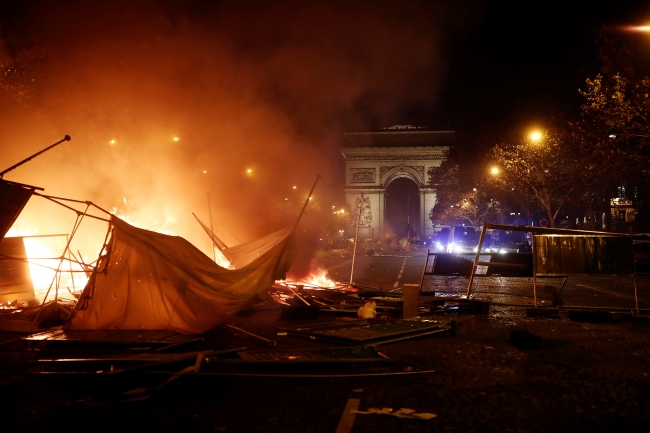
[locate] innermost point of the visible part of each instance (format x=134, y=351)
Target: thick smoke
x=260, y=86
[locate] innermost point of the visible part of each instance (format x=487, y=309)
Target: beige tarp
x=152, y=281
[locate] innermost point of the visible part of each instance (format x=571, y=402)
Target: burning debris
x=142, y=280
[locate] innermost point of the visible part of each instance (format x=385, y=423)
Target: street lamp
x=642, y=29
x=492, y=204
x=495, y=172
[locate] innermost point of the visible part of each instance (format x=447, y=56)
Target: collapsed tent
x=150, y=281
x=13, y=198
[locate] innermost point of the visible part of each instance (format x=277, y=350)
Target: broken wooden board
x=68, y=339
x=369, y=331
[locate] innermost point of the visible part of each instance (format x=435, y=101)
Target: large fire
x=52, y=277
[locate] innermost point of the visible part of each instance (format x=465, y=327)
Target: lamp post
x=408, y=221
x=494, y=171
x=492, y=205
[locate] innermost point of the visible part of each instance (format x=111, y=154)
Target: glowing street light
x=176, y=138
x=249, y=171
x=644, y=29
x=294, y=187
x=535, y=136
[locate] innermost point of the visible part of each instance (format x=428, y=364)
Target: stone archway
x=402, y=216
x=375, y=159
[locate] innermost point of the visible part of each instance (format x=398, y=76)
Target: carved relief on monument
x=395, y=156
x=366, y=175
x=419, y=169
x=363, y=203
x=386, y=168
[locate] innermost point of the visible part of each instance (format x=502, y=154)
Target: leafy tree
x=445, y=180
x=507, y=193
x=472, y=207
x=459, y=199
x=612, y=136
x=538, y=168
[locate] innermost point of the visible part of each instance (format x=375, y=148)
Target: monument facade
x=375, y=159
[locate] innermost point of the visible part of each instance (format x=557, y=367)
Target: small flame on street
x=316, y=279
x=320, y=279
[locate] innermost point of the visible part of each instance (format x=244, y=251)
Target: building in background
x=386, y=172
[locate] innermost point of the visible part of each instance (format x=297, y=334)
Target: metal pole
x=354, y=251
x=478, y=252
x=493, y=219
x=424, y=271
x=532, y=248
x=214, y=253
x=408, y=219
x=318, y=176
x=255, y=336
x=66, y=138
x=636, y=299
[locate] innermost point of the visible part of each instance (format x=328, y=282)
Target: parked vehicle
x=525, y=247
x=442, y=240
x=507, y=241
x=487, y=244
x=463, y=240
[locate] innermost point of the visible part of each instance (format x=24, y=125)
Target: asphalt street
x=587, y=375
x=383, y=270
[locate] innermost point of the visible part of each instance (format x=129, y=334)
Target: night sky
x=510, y=65
x=268, y=86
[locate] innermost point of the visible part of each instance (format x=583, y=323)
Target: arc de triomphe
x=374, y=159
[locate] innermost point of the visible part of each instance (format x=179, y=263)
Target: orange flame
x=43, y=255
x=317, y=278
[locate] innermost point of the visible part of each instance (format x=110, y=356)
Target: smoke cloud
x=262, y=86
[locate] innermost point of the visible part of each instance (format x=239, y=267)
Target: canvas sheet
x=151, y=281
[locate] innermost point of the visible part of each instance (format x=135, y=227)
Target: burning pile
x=316, y=279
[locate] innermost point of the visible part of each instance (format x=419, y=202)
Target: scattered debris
x=368, y=311
x=370, y=331
x=525, y=339
x=401, y=413
x=299, y=312
x=255, y=336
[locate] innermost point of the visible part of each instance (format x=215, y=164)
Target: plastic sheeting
x=151, y=281
x=13, y=198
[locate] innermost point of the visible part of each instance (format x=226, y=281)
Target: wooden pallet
x=108, y=338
